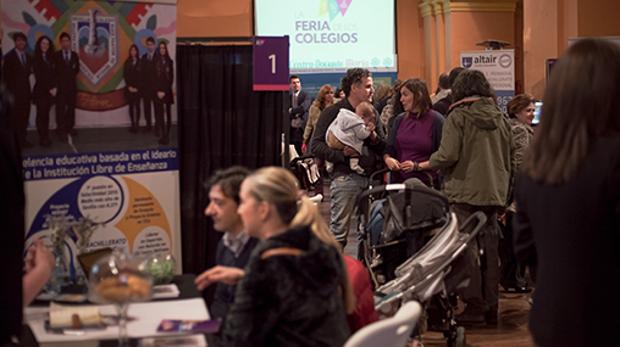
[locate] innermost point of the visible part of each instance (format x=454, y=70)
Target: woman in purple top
x=415, y=135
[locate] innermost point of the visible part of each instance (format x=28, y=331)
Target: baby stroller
x=394, y=222
x=307, y=172
x=418, y=245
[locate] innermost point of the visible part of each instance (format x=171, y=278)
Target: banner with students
x=88, y=156
x=101, y=34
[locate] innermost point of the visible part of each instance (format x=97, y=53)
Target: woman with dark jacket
x=521, y=111
x=294, y=290
x=131, y=74
x=44, y=91
x=568, y=199
x=476, y=160
x=164, y=75
x=323, y=99
x=415, y=134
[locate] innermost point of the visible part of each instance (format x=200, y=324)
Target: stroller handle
x=374, y=175
x=404, y=187
x=300, y=158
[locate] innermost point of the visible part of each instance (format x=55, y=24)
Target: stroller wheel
x=457, y=337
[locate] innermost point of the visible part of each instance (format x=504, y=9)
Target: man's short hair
x=454, y=73
x=293, y=77
x=63, y=35
x=150, y=39
x=444, y=81
x=354, y=75
x=229, y=180
x=19, y=35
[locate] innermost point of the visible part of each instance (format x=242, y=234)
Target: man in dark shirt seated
x=235, y=246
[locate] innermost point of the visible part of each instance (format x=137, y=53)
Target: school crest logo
x=467, y=62
x=96, y=44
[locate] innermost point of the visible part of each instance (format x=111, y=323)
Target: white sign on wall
x=499, y=69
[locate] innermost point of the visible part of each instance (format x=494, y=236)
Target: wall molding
x=495, y=6
x=426, y=8
x=438, y=6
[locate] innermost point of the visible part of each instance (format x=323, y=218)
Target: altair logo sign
x=488, y=59
x=504, y=60
x=498, y=68
x=467, y=62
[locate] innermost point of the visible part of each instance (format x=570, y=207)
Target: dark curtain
x=222, y=122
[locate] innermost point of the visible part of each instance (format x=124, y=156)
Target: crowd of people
x=460, y=142
x=148, y=79
x=282, y=278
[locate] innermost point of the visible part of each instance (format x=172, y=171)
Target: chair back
x=390, y=332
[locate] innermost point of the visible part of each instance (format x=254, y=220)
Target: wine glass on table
x=120, y=280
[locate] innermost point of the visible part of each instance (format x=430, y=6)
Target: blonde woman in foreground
x=294, y=291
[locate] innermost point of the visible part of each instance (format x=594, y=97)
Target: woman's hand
x=161, y=95
x=39, y=258
x=408, y=165
x=225, y=274
x=39, y=264
x=392, y=164
x=53, y=91
x=43, y=258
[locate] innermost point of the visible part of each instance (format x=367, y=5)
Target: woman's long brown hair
x=581, y=104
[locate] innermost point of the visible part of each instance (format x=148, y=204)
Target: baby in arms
x=351, y=129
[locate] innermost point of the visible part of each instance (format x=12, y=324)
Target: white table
x=146, y=318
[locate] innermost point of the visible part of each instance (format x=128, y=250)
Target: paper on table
x=166, y=291
x=176, y=341
x=61, y=316
x=146, y=318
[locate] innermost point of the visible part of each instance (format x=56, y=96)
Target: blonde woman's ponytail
x=308, y=214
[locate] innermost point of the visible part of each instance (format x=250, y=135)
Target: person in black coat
x=298, y=112
x=22, y=279
x=16, y=71
x=1, y=54
x=294, y=290
x=131, y=74
x=67, y=68
x=443, y=105
x=45, y=87
x=12, y=237
x=164, y=78
x=568, y=201
x=148, y=78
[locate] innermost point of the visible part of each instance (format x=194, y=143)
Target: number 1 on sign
x=272, y=57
